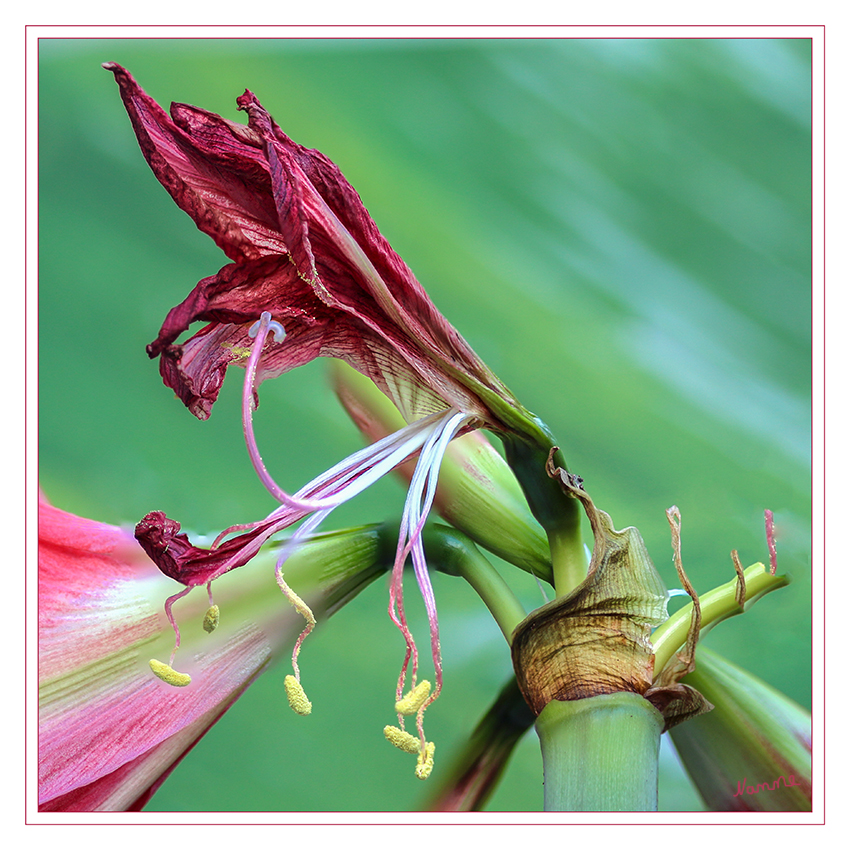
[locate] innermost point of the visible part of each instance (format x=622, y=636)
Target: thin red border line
x=824, y=318
x=822, y=27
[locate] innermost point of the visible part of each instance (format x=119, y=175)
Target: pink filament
x=168, y=604
x=261, y=329
x=771, y=539
x=417, y=506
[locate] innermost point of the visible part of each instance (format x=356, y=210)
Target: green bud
x=477, y=492
x=753, y=752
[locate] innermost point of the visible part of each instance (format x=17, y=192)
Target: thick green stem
x=600, y=754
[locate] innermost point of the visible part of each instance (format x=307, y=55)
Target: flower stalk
x=600, y=754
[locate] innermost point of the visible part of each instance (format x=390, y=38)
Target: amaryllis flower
x=109, y=731
x=311, y=276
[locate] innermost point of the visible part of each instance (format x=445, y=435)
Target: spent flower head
x=311, y=276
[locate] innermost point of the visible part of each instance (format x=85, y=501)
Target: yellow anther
x=169, y=674
x=403, y=740
x=413, y=700
x=425, y=762
x=298, y=701
x=211, y=619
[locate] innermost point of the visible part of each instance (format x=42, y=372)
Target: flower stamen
x=425, y=762
x=420, y=497
x=168, y=674
x=414, y=699
x=298, y=701
x=403, y=740
x=304, y=610
x=211, y=619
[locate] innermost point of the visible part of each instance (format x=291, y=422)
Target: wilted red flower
x=305, y=249
x=310, y=268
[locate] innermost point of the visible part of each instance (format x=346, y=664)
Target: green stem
x=558, y=512
x=569, y=560
x=453, y=553
x=716, y=605
x=600, y=754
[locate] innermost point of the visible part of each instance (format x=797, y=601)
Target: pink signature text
x=743, y=788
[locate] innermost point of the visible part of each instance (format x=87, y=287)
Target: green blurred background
x=620, y=228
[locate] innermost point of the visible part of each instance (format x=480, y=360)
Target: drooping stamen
x=303, y=609
x=741, y=586
x=211, y=618
x=420, y=497
x=334, y=487
x=414, y=699
x=425, y=762
x=403, y=740
x=674, y=517
x=168, y=613
x=166, y=672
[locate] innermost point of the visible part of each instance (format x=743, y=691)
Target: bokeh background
x=621, y=229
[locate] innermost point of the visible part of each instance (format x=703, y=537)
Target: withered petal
x=171, y=550
x=261, y=197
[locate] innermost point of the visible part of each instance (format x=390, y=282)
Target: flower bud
x=753, y=752
x=477, y=492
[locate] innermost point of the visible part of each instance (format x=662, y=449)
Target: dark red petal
x=309, y=188
x=328, y=276
x=211, y=170
x=177, y=558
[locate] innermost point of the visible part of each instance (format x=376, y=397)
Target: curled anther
x=414, y=699
x=275, y=327
x=296, y=697
x=403, y=740
x=168, y=674
x=211, y=618
x=741, y=587
x=674, y=517
x=425, y=762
